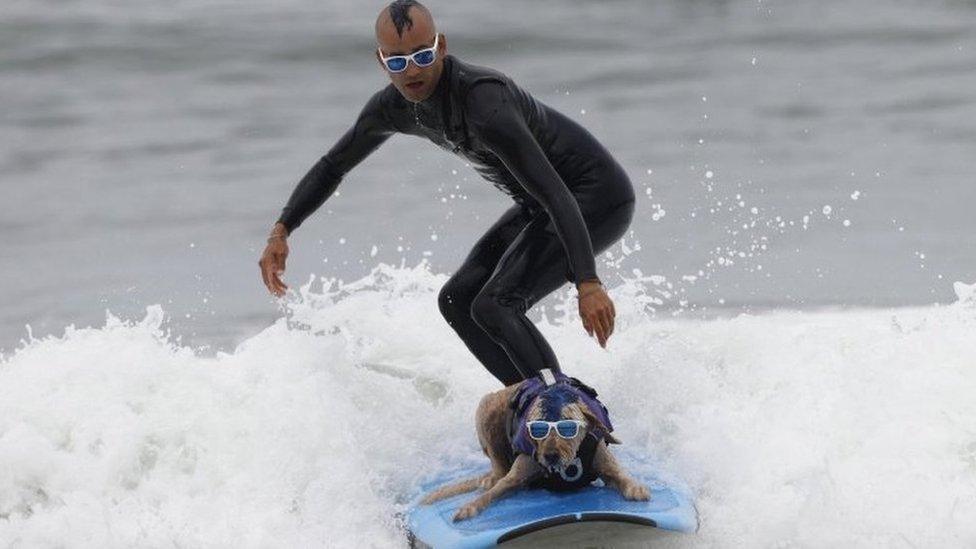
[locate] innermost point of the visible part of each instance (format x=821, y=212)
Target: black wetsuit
x=572, y=201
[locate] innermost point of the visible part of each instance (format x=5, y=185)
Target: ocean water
x=798, y=429
x=796, y=334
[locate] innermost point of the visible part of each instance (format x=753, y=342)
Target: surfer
x=572, y=198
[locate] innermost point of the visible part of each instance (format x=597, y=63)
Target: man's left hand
x=597, y=311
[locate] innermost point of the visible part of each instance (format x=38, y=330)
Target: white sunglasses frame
x=552, y=425
x=410, y=58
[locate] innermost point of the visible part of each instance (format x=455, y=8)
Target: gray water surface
x=148, y=147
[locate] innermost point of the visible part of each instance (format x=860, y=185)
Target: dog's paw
x=636, y=492
x=466, y=511
x=488, y=481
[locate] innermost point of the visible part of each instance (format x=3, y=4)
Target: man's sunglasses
x=565, y=428
x=422, y=58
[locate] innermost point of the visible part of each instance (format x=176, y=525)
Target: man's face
x=415, y=83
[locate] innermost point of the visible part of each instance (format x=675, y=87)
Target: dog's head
x=557, y=402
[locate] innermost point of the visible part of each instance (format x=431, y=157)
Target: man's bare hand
x=272, y=261
x=597, y=311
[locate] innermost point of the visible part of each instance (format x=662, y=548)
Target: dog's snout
x=552, y=458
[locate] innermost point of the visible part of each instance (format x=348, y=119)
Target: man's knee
x=491, y=310
x=484, y=311
x=453, y=301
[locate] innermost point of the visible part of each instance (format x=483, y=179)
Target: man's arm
x=365, y=136
x=492, y=112
x=371, y=129
x=495, y=116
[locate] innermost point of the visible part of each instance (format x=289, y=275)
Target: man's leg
x=533, y=266
x=460, y=290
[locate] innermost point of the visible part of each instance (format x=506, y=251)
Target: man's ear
x=442, y=45
x=594, y=423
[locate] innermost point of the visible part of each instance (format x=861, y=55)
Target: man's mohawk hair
x=400, y=13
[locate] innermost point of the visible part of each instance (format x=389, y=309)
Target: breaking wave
x=846, y=427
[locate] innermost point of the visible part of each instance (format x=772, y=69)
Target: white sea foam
x=848, y=428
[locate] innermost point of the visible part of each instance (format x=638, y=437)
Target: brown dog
x=552, y=462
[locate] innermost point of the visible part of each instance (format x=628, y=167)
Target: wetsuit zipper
x=416, y=118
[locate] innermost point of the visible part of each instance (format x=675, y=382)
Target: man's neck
x=434, y=99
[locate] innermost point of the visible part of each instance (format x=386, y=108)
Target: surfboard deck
x=531, y=510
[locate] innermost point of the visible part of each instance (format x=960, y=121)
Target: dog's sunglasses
x=422, y=58
x=565, y=428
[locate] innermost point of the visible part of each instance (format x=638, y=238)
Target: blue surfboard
x=530, y=510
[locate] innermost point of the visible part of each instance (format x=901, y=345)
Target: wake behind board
x=531, y=510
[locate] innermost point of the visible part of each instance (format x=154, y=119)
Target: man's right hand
x=272, y=261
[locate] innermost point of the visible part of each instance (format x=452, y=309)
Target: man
x=572, y=199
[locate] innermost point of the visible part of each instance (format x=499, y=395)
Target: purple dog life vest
x=565, y=390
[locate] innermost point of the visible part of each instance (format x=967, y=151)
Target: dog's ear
x=594, y=422
x=583, y=387
x=516, y=401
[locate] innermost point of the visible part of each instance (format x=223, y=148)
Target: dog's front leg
x=521, y=471
x=614, y=475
